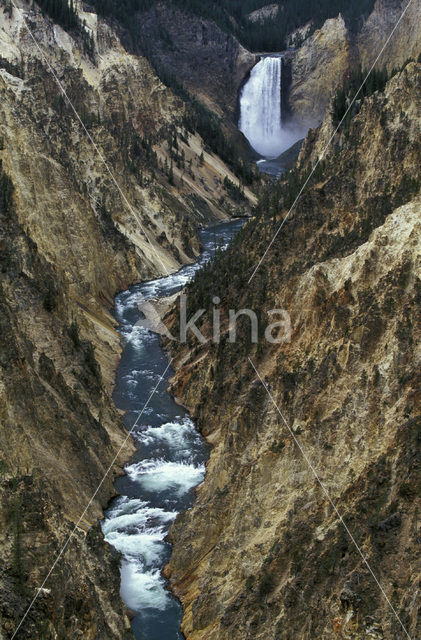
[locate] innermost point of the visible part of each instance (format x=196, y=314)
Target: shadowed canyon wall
x=262, y=553
x=68, y=242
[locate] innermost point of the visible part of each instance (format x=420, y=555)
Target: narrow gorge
x=171, y=455
x=175, y=178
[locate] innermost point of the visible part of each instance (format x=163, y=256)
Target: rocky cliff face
x=210, y=63
x=69, y=240
x=269, y=11
x=404, y=44
x=318, y=67
x=263, y=554
x=59, y=432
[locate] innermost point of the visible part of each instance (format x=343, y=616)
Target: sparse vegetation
x=50, y=297
x=116, y=559
x=4, y=468
x=14, y=69
x=266, y=583
x=376, y=81
x=235, y=192
x=171, y=174
x=14, y=517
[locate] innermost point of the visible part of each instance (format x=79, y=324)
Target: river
x=169, y=462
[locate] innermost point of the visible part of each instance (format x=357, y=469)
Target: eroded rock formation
x=209, y=62
x=262, y=554
x=320, y=64
x=74, y=230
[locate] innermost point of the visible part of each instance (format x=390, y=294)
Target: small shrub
x=267, y=583
x=235, y=192
x=17, y=550
x=74, y=333
x=250, y=583
x=50, y=298
x=277, y=447
x=4, y=469
x=6, y=195
x=116, y=560
x=91, y=362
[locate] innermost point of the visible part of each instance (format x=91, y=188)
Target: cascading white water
x=260, y=108
x=170, y=460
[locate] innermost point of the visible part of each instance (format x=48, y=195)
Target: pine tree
x=171, y=175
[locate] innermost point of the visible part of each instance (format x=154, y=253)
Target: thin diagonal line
x=90, y=502
x=325, y=491
x=94, y=144
x=329, y=143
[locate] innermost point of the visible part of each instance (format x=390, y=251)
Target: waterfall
x=260, y=108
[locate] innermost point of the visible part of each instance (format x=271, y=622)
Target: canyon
x=117, y=191
x=263, y=554
x=75, y=230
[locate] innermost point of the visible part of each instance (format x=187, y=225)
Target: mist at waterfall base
x=170, y=458
x=261, y=114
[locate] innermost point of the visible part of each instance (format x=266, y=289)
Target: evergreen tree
x=171, y=175
x=267, y=34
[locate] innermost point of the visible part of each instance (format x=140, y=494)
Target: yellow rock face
x=86, y=209
x=263, y=553
x=320, y=64
x=317, y=68
x=405, y=42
